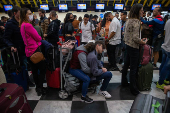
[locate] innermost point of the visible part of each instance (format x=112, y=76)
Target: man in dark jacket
x=12, y=37
x=53, y=29
x=158, y=28
x=97, y=69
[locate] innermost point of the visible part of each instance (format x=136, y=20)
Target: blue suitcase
x=18, y=78
x=14, y=72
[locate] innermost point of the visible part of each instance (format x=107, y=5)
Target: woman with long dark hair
x=68, y=28
x=32, y=41
x=132, y=39
x=105, y=23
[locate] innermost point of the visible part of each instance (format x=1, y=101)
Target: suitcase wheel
x=63, y=94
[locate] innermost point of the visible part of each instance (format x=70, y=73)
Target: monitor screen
x=81, y=6
x=119, y=6
x=63, y=7
x=8, y=7
x=155, y=5
x=45, y=7
x=100, y=6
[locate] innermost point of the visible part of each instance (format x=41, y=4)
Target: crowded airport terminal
x=84, y=56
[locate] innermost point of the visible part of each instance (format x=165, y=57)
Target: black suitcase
x=143, y=104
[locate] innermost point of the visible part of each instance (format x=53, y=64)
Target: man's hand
x=74, y=35
x=13, y=49
x=2, y=27
x=45, y=35
x=107, y=41
x=166, y=89
x=104, y=70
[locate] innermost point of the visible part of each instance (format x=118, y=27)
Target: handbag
x=37, y=56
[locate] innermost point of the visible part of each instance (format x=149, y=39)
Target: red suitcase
x=53, y=78
x=13, y=99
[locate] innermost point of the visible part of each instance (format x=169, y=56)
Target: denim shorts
x=156, y=43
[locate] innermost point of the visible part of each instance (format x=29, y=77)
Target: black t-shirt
x=69, y=29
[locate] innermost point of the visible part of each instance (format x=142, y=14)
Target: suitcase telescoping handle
x=13, y=55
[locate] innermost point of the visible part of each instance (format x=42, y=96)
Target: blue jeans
x=107, y=77
x=164, y=69
x=83, y=77
x=86, y=79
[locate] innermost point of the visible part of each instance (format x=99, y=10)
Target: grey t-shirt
x=166, y=44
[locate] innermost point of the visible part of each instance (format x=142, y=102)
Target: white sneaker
x=105, y=94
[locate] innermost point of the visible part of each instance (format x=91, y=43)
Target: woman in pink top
x=32, y=42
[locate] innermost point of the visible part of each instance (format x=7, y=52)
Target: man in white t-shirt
x=114, y=38
x=87, y=30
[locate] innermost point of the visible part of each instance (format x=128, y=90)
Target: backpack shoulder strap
x=80, y=24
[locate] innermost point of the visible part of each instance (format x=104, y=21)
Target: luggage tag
x=8, y=96
x=156, y=106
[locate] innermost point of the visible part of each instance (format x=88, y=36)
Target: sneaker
x=105, y=94
x=31, y=84
x=160, y=86
x=121, y=61
x=114, y=69
x=155, y=66
x=86, y=99
x=166, y=82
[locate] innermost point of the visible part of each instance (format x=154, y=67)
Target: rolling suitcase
x=53, y=78
x=18, y=78
x=13, y=99
x=14, y=72
x=144, y=79
x=149, y=104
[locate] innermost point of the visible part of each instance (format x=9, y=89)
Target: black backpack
x=11, y=61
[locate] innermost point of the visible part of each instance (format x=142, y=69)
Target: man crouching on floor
x=97, y=69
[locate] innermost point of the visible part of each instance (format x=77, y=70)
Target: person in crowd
x=149, y=17
x=117, y=15
x=105, y=23
x=35, y=17
x=3, y=21
x=75, y=23
x=94, y=20
x=88, y=30
x=79, y=68
x=166, y=89
x=144, y=16
x=91, y=17
x=122, y=45
x=32, y=41
x=114, y=39
x=35, y=24
x=2, y=25
x=164, y=68
x=158, y=30
x=97, y=69
x=12, y=38
x=80, y=19
x=53, y=30
x=10, y=14
x=132, y=40
x=68, y=28
x=43, y=21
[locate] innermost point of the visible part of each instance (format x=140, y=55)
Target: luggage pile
x=149, y=104
x=145, y=71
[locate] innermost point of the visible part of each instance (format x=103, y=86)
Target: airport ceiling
x=34, y=4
